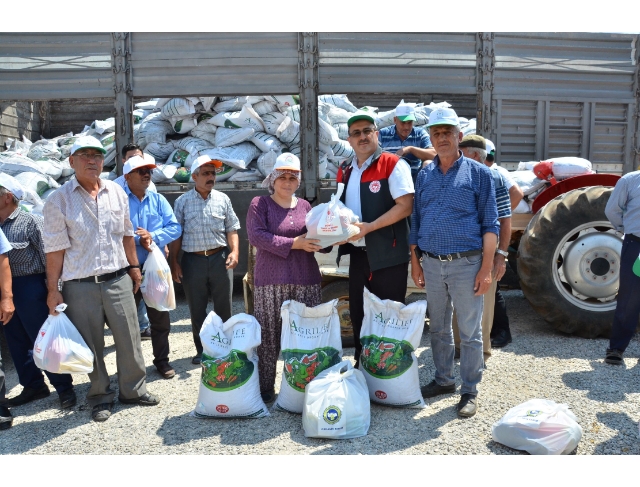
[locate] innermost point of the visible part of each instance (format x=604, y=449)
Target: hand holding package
x=157, y=285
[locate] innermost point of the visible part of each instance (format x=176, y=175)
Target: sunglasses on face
x=357, y=133
x=143, y=171
x=85, y=156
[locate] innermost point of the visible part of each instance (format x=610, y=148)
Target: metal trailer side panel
x=19, y=118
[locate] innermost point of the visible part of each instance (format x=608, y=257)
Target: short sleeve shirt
x=205, y=223
x=5, y=246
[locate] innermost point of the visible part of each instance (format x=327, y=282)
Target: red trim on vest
x=382, y=168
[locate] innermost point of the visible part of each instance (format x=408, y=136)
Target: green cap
x=360, y=115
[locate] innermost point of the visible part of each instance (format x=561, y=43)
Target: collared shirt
x=122, y=182
x=24, y=232
x=623, y=208
x=5, y=246
x=503, y=201
x=89, y=230
x=205, y=223
x=155, y=215
x=452, y=211
x=390, y=141
x=400, y=183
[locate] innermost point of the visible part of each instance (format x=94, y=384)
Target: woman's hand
x=306, y=244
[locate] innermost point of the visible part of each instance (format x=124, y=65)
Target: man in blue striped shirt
x=404, y=140
x=455, y=225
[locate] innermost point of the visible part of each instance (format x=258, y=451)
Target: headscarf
x=275, y=174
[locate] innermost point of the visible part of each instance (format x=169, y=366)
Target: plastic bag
x=157, y=285
x=229, y=386
x=310, y=343
x=336, y=404
x=540, y=427
x=391, y=332
x=331, y=222
x=60, y=348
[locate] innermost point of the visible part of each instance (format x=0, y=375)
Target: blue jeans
x=449, y=284
x=143, y=318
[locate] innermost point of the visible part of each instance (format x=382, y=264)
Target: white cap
x=202, y=160
x=137, y=162
x=490, y=146
x=443, y=116
x=287, y=161
x=10, y=183
x=405, y=113
x=87, y=142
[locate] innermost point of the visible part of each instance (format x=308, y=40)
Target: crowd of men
x=434, y=200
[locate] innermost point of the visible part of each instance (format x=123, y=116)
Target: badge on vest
x=374, y=186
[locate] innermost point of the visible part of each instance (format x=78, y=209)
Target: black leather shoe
x=146, y=400
x=27, y=395
x=101, y=412
x=6, y=420
x=268, y=397
x=502, y=339
x=146, y=335
x=468, y=405
x=433, y=389
x=68, y=398
x=197, y=359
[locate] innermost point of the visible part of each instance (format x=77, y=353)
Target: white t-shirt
x=509, y=182
x=400, y=183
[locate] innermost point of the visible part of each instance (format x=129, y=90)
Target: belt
x=102, y=277
x=208, y=252
x=631, y=236
x=456, y=255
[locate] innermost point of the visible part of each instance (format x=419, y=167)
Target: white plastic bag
x=390, y=334
x=567, y=167
x=310, y=343
x=331, y=222
x=528, y=181
x=336, y=404
x=60, y=348
x=229, y=385
x=540, y=427
x=157, y=285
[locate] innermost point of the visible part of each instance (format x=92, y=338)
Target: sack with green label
x=390, y=334
x=310, y=343
x=336, y=404
x=229, y=385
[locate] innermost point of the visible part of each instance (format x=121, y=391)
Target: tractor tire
x=340, y=289
x=569, y=263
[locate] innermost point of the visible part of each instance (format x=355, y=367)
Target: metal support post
x=635, y=156
x=308, y=83
x=122, y=81
x=485, y=62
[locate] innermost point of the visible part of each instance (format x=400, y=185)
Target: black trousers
x=387, y=283
x=625, y=320
x=160, y=325
x=500, y=318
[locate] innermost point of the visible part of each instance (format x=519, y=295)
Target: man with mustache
x=379, y=189
x=210, y=244
x=454, y=227
x=152, y=217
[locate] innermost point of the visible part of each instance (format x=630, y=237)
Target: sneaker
x=144, y=400
x=6, y=420
x=433, y=389
x=468, y=405
x=165, y=370
x=145, y=335
x=197, y=359
x=68, y=398
x=29, y=394
x=502, y=339
x=101, y=412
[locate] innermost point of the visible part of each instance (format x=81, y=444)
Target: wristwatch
x=134, y=267
x=504, y=253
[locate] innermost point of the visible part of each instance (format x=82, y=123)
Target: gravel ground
x=539, y=363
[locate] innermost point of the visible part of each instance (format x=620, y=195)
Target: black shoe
x=468, y=405
x=502, y=339
x=145, y=335
x=6, y=420
x=197, y=359
x=67, y=398
x=614, y=357
x=146, y=400
x=165, y=370
x=268, y=397
x=433, y=389
x=29, y=394
x=101, y=412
